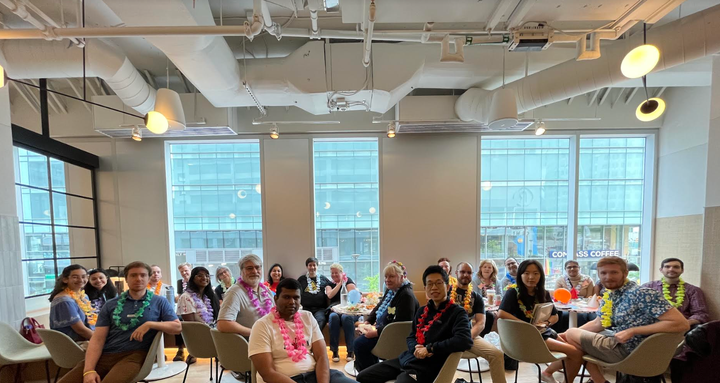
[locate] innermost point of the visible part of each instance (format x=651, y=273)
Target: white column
x=12, y=302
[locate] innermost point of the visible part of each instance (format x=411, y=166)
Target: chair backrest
x=392, y=340
x=11, y=343
x=232, y=351
x=149, y=359
x=652, y=356
x=198, y=340
x=447, y=372
x=523, y=342
x=63, y=350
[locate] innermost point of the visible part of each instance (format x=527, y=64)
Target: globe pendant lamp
x=641, y=60
x=168, y=113
x=503, y=109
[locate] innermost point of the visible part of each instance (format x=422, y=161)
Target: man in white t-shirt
x=157, y=286
x=307, y=360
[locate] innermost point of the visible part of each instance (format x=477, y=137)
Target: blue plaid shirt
x=635, y=306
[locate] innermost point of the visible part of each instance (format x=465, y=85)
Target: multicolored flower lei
x=297, y=350
x=312, y=286
x=607, y=309
x=203, y=307
x=136, y=317
x=466, y=298
x=528, y=313
x=84, y=303
x=422, y=328
x=264, y=292
x=679, y=295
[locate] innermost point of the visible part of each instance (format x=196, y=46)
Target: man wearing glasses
x=572, y=279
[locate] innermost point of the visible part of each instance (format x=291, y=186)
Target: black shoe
x=350, y=357
x=238, y=376
x=335, y=357
x=180, y=356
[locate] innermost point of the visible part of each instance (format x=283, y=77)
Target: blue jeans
x=348, y=325
x=363, y=355
x=335, y=377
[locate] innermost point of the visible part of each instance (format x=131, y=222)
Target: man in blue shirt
x=627, y=315
x=124, y=331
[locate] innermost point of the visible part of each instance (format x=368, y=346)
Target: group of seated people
x=283, y=318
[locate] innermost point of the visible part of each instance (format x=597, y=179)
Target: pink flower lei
x=267, y=301
x=295, y=353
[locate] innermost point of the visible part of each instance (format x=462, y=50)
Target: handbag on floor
x=28, y=330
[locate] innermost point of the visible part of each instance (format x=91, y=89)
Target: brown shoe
x=180, y=356
x=190, y=359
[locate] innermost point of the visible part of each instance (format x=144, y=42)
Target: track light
x=136, y=134
x=391, y=130
x=274, y=133
x=168, y=113
x=650, y=109
x=641, y=60
x=156, y=122
x=3, y=77
x=539, y=128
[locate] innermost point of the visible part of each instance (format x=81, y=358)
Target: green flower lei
x=133, y=321
x=528, y=313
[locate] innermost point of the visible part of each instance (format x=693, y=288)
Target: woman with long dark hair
x=518, y=303
x=275, y=275
x=70, y=310
x=198, y=303
x=98, y=289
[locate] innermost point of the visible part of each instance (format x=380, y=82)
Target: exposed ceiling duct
x=680, y=41
x=55, y=59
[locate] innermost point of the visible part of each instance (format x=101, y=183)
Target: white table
x=466, y=366
x=162, y=370
x=573, y=309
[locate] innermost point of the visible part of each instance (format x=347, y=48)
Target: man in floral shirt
x=627, y=315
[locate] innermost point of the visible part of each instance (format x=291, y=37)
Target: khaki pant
x=495, y=358
x=112, y=368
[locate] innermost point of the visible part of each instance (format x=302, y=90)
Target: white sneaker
x=350, y=357
x=335, y=357
x=548, y=379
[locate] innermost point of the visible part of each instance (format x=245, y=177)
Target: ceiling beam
x=617, y=98
x=183, y=80
x=631, y=95
x=51, y=101
x=59, y=101
x=502, y=8
x=519, y=13
x=604, y=96
x=592, y=97
x=570, y=100
x=78, y=93
x=99, y=85
x=34, y=105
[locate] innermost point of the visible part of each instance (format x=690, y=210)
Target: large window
x=524, y=200
x=216, y=209
x=347, y=208
x=56, y=210
x=610, y=200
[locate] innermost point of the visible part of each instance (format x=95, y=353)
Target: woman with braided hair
x=397, y=304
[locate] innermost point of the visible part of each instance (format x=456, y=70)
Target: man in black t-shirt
x=313, y=297
x=475, y=308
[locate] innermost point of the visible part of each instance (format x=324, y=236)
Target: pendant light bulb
x=156, y=122
x=650, y=110
x=274, y=133
x=136, y=134
x=640, y=61
x=539, y=128
x=3, y=77
x=391, y=130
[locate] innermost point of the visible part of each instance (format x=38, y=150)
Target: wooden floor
x=200, y=372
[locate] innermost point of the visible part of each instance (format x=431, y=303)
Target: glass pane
x=70, y=178
x=36, y=241
x=31, y=168
x=75, y=242
x=39, y=277
x=73, y=211
x=347, y=208
x=88, y=263
x=216, y=202
x=33, y=205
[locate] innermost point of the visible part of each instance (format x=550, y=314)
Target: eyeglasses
x=572, y=267
x=438, y=284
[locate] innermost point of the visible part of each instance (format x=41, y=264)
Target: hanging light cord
x=644, y=78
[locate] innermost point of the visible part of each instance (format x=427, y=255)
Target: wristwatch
x=429, y=348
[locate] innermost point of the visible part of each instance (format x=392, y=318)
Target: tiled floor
x=200, y=372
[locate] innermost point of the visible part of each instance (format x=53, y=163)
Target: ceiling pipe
x=367, y=39
x=54, y=59
x=681, y=41
x=47, y=19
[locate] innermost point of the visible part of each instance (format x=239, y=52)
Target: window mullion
x=573, y=192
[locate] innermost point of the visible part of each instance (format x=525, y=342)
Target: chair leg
x=18, y=374
x=470, y=370
x=516, y=371
x=57, y=374
x=187, y=368
x=565, y=372
x=662, y=377
x=478, y=367
x=539, y=373
x=217, y=369
x=582, y=374
x=47, y=371
x=211, y=369
x=222, y=371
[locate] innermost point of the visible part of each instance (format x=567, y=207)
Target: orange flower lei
x=157, y=288
x=466, y=300
x=85, y=305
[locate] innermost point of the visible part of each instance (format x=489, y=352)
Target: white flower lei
x=312, y=286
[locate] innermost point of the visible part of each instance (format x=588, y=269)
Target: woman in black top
x=438, y=330
x=398, y=304
x=99, y=288
x=518, y=304
x=224, y=278
x=313, y=296
x=333, y=291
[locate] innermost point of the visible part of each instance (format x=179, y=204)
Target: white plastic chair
x=523, y=342
x=14, y=349
x=63, y=350
x=149, y=359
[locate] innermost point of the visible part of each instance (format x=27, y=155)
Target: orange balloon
x=562, y=295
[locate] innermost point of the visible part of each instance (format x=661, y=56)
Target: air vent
x=456, y=127
x=203, y=131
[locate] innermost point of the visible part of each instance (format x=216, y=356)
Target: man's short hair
x=569, y=262
x=435, y=269
x=463, y=263
x=509, y=258
x=135, y=265
x=311, y=260
x=249, y=258
x=288, y=284
x=606, y=261
x=180, y=266
x=666, y=260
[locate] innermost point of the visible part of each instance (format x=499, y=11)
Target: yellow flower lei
x=606, y=310
x=85, y=305
x=466, y=300
x=679, y=295
x=511, y=286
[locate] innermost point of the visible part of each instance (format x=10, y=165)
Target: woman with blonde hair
x=486, y=278
x=333, y=290
x=397, y=304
